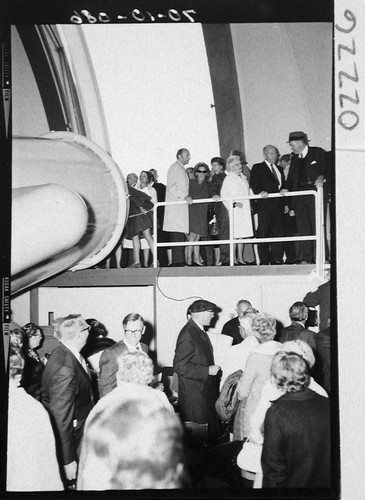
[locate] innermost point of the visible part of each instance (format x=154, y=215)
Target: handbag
x=249, y=458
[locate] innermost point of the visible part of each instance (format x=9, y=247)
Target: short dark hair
x=180, y=152
x=219, y=160
x=298, y=311
x=285, y=157
x=201, y=164
x=132, y=317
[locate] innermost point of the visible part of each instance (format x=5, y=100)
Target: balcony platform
x=147, y=276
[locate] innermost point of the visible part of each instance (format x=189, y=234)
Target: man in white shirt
x=266, y=178
x=134, y=327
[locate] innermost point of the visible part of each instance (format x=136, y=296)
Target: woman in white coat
x=235, y=185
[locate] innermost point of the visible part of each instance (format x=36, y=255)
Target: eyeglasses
x=201, y=172
x=133, y=331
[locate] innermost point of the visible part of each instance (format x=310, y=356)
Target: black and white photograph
x=181, y=263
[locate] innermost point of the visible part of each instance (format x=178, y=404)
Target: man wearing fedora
x=198, y=387
x=307, y=171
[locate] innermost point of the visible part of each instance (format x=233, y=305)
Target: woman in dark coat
x=34, y=365
x=140, y=222
x=198, y=213
x=297, y=430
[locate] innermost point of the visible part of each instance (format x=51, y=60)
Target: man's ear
x=143, y=330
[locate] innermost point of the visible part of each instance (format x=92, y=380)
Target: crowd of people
x=93, y=417
x=185, y=220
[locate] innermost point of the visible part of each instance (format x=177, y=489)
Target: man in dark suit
x=232, y=327
x=198, y=387
x=162, y=236
x=298, y=313
x=66, y=390
x=268, y=177
x=133, y=325
x=307, y=171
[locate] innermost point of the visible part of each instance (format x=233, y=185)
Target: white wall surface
x=285, y=78
x=107, y=304
x=155, y=87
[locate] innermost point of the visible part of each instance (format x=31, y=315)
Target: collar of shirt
x=304, y=152
x=131, y=347
x=74, y=351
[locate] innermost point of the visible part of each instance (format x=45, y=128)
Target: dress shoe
x=276, y=263
x=305, y=262
x=136, y=264
x=253, y=263
x=198, y=264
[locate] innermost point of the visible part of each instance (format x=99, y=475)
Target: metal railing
x=318, y=236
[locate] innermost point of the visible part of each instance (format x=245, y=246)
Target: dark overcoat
x=197, y=390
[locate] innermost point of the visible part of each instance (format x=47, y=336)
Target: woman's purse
x=249, y=457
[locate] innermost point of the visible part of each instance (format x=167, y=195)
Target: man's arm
x=107, y=376
x=62, y=394
x=273, y=459
x=177, y=183
x=182, y=361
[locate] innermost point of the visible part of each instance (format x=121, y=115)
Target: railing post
x=319, y=231
x=154, y=236
x=231, y=233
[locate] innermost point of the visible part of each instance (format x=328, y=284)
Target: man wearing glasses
x=133, y=325
x=66, y=390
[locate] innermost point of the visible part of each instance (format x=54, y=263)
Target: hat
x=201, y=306
x=298, y=136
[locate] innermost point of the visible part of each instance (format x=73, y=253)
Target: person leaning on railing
x=235, y=185
x=307, y=171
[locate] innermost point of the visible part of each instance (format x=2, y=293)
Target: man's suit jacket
x=262, y=179
x=231, y=328
x=67, y=395
x=297, y=331
x=315, y=163
x=109, y=367
x=321, y=297
x=161, y=196
x=177, y=216
x=198, y=391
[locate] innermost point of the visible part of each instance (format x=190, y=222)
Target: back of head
x=298, y=311
x=67, y=327
x=302, y=348
x=289, y=372
x=264, y=327
x=135, y=367
x=139, y=444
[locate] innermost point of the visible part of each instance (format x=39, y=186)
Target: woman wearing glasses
x=198, y=213
x=235, y=185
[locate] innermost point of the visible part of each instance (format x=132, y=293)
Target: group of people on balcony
x=185, y=220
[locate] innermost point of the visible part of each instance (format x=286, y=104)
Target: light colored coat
x=250, y=386
x=177, y=216
x=235, y=186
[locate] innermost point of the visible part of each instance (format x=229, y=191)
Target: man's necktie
x=274, y=172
